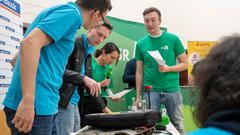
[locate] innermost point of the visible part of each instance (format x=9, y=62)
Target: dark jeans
x=42, y=125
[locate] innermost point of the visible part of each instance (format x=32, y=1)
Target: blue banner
x=12, y=5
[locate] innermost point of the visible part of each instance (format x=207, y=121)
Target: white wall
x=32, y=7
x=190, y=19
x=202, y=20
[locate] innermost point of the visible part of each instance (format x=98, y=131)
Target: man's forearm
x=29, y=58
x=139, y=80
x=178, y=68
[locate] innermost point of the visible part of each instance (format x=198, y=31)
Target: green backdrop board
x=129, y=29
x=125, y=34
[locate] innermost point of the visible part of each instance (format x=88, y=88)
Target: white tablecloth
x=170, y=128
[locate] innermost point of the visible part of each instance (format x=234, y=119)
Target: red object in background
x=183, y=78
x=149, y=87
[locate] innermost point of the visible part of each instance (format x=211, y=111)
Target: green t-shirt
x=169, y=46
x=98, y=74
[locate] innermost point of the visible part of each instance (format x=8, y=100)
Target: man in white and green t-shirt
x=163, y=79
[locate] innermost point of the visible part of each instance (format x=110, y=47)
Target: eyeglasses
x=102, y=17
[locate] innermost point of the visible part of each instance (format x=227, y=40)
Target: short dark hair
x=106, y=24
x=101, y=5
x=218, y=79
x=109, y=47
x=152, y=9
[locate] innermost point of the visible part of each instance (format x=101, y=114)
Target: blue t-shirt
x=89, y=49
x=60, y=23
x=210, y=131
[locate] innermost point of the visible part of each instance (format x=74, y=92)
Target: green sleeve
x=138, y=54
x=179, y=49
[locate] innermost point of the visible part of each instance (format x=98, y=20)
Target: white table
x=88, y=131
x=170, y=128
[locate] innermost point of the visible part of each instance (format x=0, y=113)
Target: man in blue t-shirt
x=32, y=99
x=68, y=115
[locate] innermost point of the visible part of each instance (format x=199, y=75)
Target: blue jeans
x=173, y=104
x=42, y=125
x=68, y=119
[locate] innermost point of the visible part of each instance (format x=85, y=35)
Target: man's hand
x=94, y=87
x=181, y=66
x=24, y=116
x=164, y=68
x=105, y=82
x=106, y=110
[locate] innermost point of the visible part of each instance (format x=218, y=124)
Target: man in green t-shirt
x=163, y=79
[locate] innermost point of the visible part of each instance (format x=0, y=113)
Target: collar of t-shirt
x=89, y=49
x=157, y=36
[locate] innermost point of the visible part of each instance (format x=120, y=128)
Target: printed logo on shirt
x=165, y=47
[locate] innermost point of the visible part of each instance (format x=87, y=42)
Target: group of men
x=51, y=68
